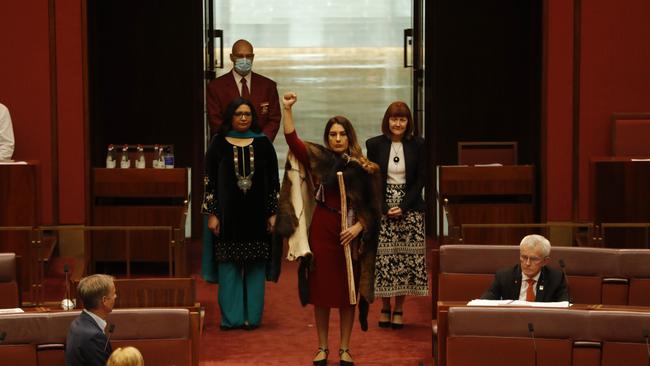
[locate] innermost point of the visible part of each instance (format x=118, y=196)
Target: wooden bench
x=163, y=336
x=596, y=275
x=500, y=336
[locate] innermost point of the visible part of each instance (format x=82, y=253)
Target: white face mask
x=243, y=66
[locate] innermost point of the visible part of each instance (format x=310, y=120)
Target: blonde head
x=127, y=356
x=93, y=289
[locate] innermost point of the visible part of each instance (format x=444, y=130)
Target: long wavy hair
x=226, y=125
x=354, y=150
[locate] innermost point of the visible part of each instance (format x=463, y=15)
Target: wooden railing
x=603, y=235
x=33, y=259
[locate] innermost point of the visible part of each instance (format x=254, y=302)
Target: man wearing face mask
x=241, y=81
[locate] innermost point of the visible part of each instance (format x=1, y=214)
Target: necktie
x=245, y=93
x=530, y=291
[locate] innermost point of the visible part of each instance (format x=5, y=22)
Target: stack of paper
x=481, y=302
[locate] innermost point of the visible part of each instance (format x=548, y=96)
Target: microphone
x=3, y=335
x=566, y=278
x=647, y=346
x=111, y=328
x=67, y=304
x=531, y=330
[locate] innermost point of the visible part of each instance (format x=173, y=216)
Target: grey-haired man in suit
x=531, y=279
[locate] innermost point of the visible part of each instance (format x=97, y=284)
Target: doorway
x=340, y=57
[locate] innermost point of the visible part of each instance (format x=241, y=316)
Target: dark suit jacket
x=264, y=96
x=86, y=344
x=507, y=285
x=379, y=152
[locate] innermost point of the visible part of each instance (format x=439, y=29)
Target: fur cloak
x=363, y=187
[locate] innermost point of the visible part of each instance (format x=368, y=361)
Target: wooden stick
x=344, y=225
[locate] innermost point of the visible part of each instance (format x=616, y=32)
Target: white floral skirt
x=401, y=265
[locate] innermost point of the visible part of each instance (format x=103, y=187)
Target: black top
x=414, y=155
x=551, y=285
x=242, y=214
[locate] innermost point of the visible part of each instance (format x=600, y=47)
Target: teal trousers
x=241, y=293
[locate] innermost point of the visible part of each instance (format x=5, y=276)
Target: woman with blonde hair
x=127, y=356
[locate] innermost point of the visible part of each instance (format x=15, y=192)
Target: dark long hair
x=398, y=109
x=226, y=124
x=354, y=150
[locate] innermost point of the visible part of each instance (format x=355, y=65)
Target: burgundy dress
x=328, y=284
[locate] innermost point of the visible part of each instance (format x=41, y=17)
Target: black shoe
x=397, y=325
x=385, y=324
x=250, y=326
x=342, y=362
x=226, y=328
x=322, y=362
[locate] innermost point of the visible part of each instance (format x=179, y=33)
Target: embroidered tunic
x=243, y=213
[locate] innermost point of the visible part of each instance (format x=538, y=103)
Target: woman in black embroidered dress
x=241, y=200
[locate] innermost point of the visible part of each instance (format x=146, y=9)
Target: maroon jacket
x=264, y=96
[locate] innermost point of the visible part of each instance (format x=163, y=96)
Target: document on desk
x=481, y=302
x=488, y=165
x=11, y=162
x=558, y=304
x=11, y=311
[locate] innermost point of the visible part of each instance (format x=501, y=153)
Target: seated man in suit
x=87, y=343
x=242, y=81
x=530, y=280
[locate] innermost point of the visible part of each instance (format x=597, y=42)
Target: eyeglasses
x=525, y=259
x=242, y=114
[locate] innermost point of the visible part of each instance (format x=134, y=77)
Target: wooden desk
x=19, y=197
x=620, y=194
x=443, y=324
x=136, y=197
x=488, y=195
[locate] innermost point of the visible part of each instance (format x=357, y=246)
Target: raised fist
x=289, y=99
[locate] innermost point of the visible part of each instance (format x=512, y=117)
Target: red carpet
x=288, y=336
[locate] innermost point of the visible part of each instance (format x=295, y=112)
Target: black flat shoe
x=345, y=363
x=397, y=325
x=322, y=362
x=385, y=324
x=227, y=328
x=250, y=326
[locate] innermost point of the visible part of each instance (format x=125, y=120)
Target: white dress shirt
x=238, y=80
x=524, y=285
